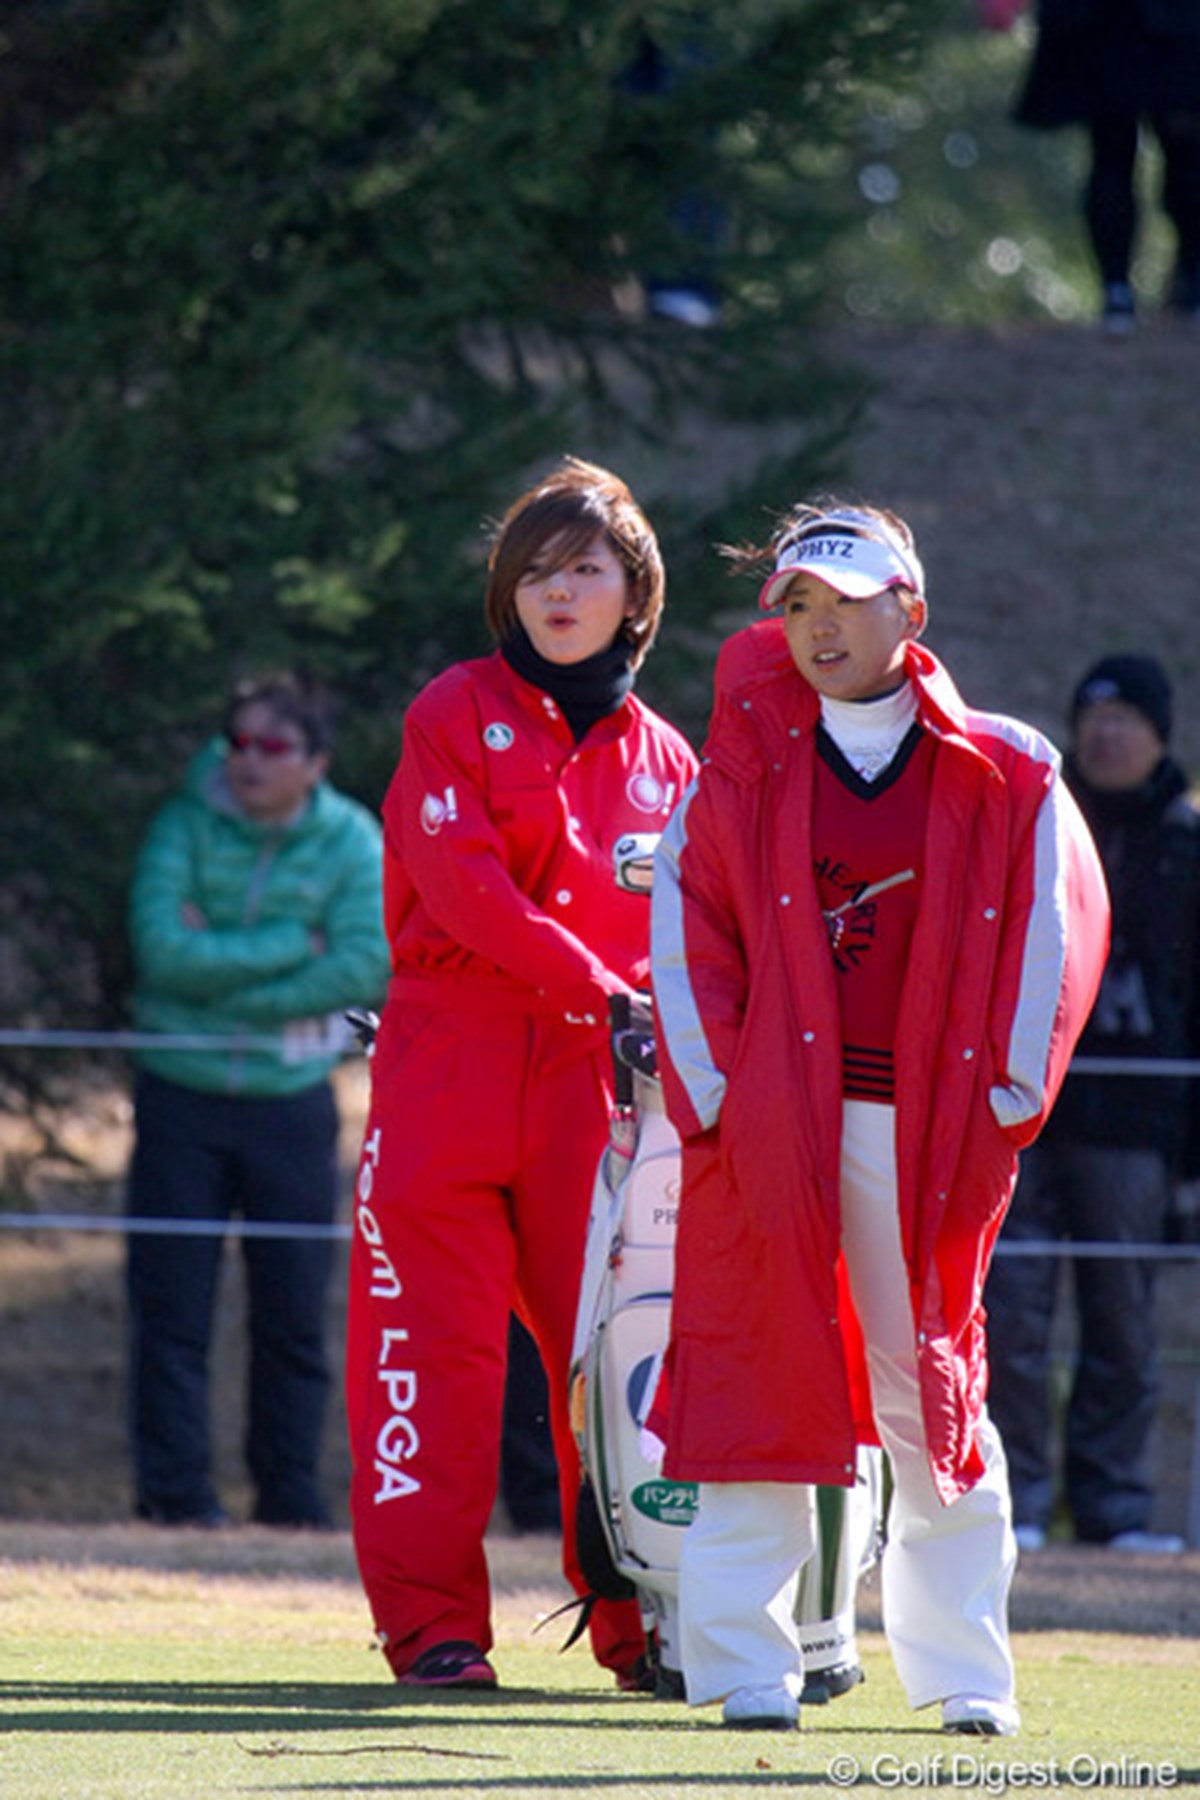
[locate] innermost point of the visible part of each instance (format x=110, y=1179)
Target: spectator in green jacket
x=255, y=918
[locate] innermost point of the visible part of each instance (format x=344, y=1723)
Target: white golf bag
x=621, y=1333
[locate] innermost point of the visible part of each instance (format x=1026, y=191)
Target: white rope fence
x=160, y=1040
x=345, y=1040
x=234, y=1228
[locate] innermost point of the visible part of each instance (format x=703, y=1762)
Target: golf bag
x=631, y=1519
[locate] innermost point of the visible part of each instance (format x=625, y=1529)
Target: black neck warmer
x=584, y=691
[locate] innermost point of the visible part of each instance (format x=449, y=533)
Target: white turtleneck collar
x=869, y=732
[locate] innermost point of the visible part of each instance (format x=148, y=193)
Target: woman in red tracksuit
x=878, y=926
x=526, y=777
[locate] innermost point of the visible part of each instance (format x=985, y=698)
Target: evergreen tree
x=298, y=290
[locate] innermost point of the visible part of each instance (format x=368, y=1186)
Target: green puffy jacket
x=292, y=933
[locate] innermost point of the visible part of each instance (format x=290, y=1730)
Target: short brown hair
x=573, y=503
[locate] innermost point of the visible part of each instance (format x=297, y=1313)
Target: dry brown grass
x=257, y=1586
x=1051, y=478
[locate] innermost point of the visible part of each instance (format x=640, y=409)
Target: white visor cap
x=857, y=566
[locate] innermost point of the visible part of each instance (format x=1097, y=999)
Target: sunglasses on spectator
x=241, y=741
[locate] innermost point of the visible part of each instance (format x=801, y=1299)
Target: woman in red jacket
x=526, y=780
x=878, y=926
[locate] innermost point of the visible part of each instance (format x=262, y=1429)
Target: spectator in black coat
x=1103, y=1168
x=1115, y=66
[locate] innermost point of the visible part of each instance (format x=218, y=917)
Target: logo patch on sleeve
x=437, y=809
x=499, y=736
x=646, y=792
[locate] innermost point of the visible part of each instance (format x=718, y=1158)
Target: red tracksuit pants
x=473, y=1193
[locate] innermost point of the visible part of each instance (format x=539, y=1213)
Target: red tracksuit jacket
x=499, y=842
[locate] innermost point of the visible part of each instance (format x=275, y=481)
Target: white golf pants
x=946, y=1569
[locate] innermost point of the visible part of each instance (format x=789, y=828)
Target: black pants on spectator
x=528, y=1469
x=1086, y=1193
x=1110, y=200
x=211, y=1157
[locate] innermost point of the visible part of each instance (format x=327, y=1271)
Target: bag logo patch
x=667, y=1502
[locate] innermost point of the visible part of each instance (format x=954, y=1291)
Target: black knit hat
x=1139, y=681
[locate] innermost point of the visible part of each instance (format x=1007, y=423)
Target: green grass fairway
x=134, y=1683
